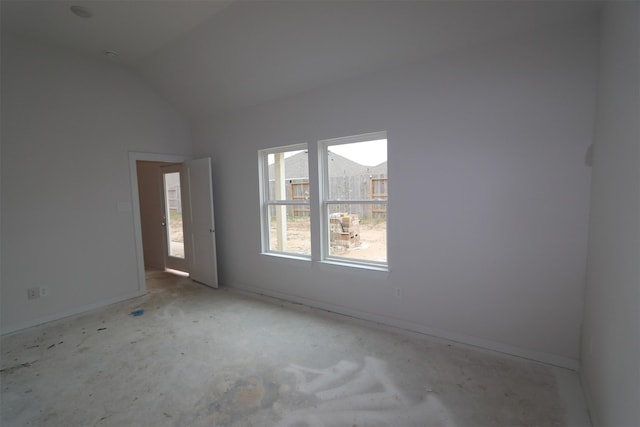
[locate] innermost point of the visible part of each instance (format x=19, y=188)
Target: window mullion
x=287, y=202
x=324, y=217
x=315, y=199
x=356, y=201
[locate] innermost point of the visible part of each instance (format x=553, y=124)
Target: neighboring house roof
x=296, y=166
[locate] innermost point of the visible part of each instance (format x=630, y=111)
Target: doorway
x=172, y=200
x=161, y=208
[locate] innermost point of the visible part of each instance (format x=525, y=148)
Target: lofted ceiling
x=208, y=57
x=134, y=29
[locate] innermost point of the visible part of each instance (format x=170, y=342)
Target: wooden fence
x=364, y=187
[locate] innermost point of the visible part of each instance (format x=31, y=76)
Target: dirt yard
x=177, y=235
x=373, y=240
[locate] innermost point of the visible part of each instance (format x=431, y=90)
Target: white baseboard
x=77, y=310
x=550, y=359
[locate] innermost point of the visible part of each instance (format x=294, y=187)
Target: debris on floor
x=248, y=362
x=138, y=312
x=12, y=369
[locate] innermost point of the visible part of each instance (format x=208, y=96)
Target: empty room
x=320, y=213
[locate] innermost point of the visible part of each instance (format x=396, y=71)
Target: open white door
x=202, y=260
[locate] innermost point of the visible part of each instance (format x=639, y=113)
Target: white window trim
x=318, y=206
x=265, y=203
x=323, y=155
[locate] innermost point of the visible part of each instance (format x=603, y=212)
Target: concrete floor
x=204, y=357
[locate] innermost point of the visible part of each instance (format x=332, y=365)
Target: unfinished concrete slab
x=204, y=357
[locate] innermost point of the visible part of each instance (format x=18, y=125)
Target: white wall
x=489, y=192
x=67, y=126
x=611, y=332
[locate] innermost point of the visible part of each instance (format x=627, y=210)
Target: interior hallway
x=199, y=356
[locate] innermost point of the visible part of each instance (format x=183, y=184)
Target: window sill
x=367, y=269
x=289, y=258
x=373, y=271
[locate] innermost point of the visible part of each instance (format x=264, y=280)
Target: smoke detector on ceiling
x=81, y=11
x=110, y=54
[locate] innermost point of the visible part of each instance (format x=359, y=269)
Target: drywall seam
x=550, y=359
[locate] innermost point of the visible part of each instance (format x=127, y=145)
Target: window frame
x=326, y=201
x=266, y=203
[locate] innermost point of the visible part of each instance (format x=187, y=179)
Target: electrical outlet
x=33, y=293
x=44, y=291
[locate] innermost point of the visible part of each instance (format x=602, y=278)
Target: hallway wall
x=151, y=201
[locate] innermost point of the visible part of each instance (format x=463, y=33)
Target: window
x=354, y=202
x=285, y=214
x=351, y=212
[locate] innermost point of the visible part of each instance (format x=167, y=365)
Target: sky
x=369, y=153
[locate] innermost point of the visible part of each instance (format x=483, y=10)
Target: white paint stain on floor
x=354, y=395
x=199, y=357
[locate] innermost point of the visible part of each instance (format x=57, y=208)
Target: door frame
x=134, y=156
